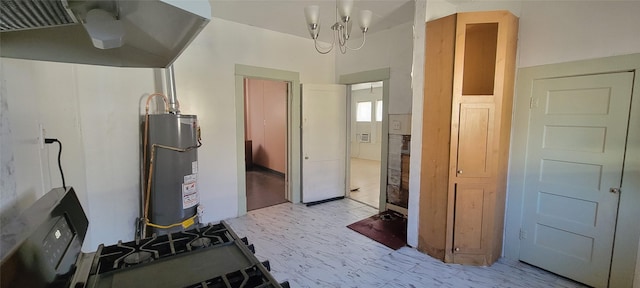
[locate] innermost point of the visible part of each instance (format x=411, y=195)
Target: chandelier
x=341, y=28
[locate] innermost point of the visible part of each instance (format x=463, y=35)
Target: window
x=379, y=110
x=363, y=113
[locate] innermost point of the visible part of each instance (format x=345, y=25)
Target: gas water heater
x=171, y=172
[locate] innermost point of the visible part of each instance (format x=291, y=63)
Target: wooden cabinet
x=469, y=78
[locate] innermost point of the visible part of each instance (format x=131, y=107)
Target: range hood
x=123, y=33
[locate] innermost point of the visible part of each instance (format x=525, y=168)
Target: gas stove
x=46, y=242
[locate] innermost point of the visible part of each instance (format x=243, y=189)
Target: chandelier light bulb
x=311, y=13
x=344, y=9
x=365, y=19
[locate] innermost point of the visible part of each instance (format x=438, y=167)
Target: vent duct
x=174, y=105
x=30, y=14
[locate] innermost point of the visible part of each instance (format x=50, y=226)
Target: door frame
x=624, y=264
x=293, y=134
x=365, y=77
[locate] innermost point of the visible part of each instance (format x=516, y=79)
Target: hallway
x=365, y=177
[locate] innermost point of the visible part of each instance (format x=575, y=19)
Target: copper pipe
x=144, y=147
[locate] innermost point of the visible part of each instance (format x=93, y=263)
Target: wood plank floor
x=365, y=176
x=311, y=247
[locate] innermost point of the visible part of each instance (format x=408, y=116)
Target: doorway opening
x=293, y=172
x=376, y=79
x=365, y=142
x=265, y=138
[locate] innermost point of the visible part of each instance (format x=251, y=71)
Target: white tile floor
x=311, y=247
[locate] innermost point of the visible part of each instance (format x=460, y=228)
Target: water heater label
x=194, y=167
x=190, y=178
x=189, y=195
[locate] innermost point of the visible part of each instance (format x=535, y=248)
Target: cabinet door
x=475, y=140
x=470, y=218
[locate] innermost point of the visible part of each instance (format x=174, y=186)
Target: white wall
x=391, y=48
x=439, y=8
x=413, y=206
x=550, y=32
x=43, y=93
x=561, y=31
x=10, y=204
x=110, y=101
x=95, y=112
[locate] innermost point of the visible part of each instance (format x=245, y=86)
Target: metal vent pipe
x=174, y=106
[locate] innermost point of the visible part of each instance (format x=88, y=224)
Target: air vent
x=136, y=33
x=365, y=138
x=30, y=14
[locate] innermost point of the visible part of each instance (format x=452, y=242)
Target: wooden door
x=575, y=154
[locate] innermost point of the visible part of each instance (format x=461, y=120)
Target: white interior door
x=575, y=155
x=324, y=132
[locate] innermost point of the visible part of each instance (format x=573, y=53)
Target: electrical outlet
x=200, y=211
x=41, y=134
x=396, y=125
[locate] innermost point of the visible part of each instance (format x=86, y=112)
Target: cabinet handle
x=457, y=249
x=459, y=171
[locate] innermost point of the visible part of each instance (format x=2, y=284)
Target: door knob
x=614, y=190
x=457, y=249
x=459, y=171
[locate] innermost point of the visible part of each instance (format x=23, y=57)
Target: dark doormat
x=388, y=228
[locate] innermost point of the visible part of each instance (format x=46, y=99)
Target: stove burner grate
x=138, y=258
x=200, y=243
x=244, y=278
x=142, y=255
x=142, y=251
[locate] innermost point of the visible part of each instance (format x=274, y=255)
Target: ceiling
x=287, y=16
